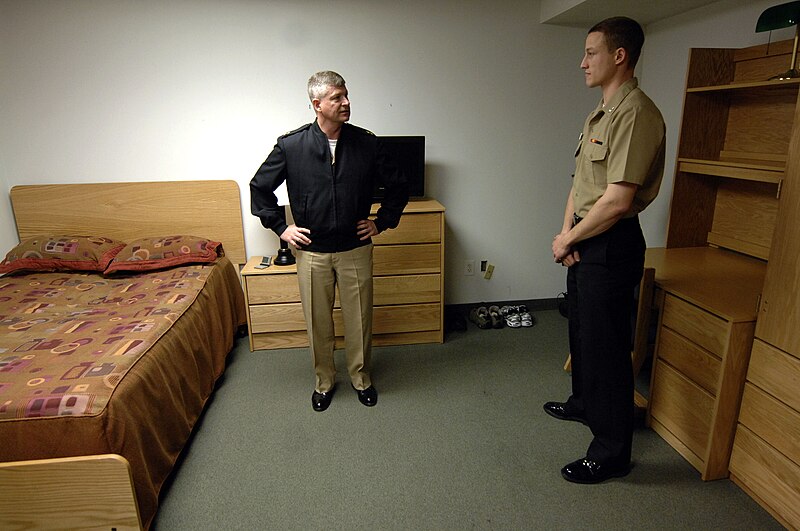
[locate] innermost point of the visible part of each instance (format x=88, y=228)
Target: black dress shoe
x=321, y=401
x=587, y=471
x=562, y=411
x=368, y=396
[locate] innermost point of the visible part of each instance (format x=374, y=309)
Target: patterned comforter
x=66, y=340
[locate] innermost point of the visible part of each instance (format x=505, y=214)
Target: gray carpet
x=458, y=440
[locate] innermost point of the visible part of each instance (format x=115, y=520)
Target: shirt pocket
x=596, y=160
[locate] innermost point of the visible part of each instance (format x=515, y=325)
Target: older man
x=330, y=168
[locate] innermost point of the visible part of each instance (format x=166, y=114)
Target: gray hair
x=318, y=84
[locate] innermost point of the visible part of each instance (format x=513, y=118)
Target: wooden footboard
x=92, y=492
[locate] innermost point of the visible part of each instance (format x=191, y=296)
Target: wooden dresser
x=726, y=374
x=766, y=452
x=708, y=299
x=408, y=288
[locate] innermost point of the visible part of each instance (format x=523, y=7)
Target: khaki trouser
x=318, y=275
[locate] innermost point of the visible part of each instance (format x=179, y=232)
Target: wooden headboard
x=126, y=211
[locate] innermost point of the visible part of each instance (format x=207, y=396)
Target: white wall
x=112, y=90
x=8, y=234
x=8, y=231
x=101, y=90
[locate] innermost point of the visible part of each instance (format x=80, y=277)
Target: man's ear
x=620, y=56
x=315, y=104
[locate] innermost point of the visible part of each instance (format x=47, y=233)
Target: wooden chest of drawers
x=408, y=266
x=766, y=453
x=705, y=334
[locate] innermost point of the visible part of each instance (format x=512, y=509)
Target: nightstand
x=274, y=313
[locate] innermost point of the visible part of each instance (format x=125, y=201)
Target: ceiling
x=585, y=13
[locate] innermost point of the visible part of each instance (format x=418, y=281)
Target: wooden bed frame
x=42, y=494
x=123, y=211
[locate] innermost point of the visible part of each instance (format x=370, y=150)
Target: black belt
x=577, y=219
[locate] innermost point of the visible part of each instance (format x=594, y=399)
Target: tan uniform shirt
x=622, y=141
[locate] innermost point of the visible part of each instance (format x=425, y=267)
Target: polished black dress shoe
x=587, y=471
x=368, y=396
x=562, y=411
x=321, y=401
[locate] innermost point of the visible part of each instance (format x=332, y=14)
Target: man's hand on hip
x=366, y=229
x=295, y=235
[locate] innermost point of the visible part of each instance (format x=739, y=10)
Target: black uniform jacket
x=328, y=195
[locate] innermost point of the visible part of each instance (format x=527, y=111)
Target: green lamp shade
x=777, y=17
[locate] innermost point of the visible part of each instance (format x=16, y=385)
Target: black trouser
x=600, y=295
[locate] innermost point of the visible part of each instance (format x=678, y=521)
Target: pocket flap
x=595, y=152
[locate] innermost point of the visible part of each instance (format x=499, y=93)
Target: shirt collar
x=624, y=89
x=318, y=130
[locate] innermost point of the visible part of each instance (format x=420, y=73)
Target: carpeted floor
x=458, y=440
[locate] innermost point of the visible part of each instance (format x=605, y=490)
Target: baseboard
x=534, y=305
x=456, y=315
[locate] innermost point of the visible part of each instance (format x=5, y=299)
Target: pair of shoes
x=511, y=316
x=562, y=411
x=525, y=318
x=321, y=401
x=517, y=316
x=590, y=472
x=480, y=316
x=497, y=319
x=368, y=396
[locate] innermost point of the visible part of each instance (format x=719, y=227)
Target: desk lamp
x=285, y=256
x=782, y=16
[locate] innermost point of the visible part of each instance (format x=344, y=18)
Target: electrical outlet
x=483, y=265
x=469, y=267
x=489, y=270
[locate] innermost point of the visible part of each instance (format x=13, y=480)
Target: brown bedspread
x=152, y=409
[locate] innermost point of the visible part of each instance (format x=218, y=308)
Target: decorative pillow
x=147, y=254
x=56, y=253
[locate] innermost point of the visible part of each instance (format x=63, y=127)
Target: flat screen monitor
x=408, y=153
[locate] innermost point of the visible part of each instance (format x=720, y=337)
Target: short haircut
x=622, y=32
x=318, y=84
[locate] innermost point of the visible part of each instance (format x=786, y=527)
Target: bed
x=70, y=455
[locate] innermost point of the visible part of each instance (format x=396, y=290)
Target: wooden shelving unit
x=730, y=172
x=725, y=390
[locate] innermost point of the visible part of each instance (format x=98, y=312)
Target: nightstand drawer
x=271, y=289
x=696, y=324
x=696, y=363
x=277, y=318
